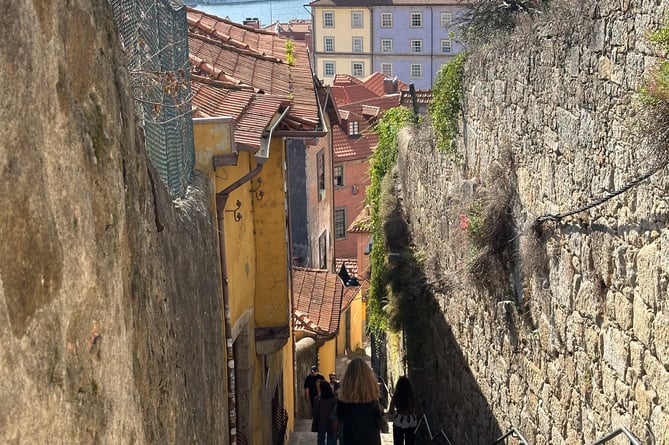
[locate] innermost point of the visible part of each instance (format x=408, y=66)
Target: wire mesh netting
x=154, y=37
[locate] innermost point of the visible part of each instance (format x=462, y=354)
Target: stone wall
x=577, y=345
x=110, y=313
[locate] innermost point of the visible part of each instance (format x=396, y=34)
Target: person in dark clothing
x=358, y=407
x=334, y=383
x=403, y=412
x=327, y=423
x=311, y=389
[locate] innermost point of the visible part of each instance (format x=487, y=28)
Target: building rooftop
x=318, y=299
x=252, y=69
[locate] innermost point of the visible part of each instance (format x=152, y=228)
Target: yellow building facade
x=250, y=203
x=342, y=39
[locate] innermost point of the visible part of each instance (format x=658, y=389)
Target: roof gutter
x=221, y=200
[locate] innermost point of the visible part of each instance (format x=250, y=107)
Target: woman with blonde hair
x=358, y=408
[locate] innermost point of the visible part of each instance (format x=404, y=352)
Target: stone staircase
x=303, y=435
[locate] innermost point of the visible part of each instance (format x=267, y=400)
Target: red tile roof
x=362, y=223
x=227, y=55
x=376, y=82
x=366, y=113
x=317, y=300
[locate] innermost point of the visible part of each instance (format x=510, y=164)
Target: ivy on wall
x=381, y=164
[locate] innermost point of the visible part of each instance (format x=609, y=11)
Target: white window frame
x=338, y=175
x=446, y=46
x=355, y=65
x=328, y=40
x=340, y=213
x=353, y=128
x=446, y=18
x=386, y=20
x=354, y=45
x=416, y=46
x=387, y=69
x=355, y=15
x=416, y=20
x=412, y=73
x=386, y=46
x=328, y=19
x=329, y=63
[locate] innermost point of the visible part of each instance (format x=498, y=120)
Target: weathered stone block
x=642, y=321
x=615, y=350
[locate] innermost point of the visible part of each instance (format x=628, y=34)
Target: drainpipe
x=221, y=200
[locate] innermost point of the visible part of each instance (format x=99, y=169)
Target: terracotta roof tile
x=242, y=57
x=317, y=300
x=375, y=82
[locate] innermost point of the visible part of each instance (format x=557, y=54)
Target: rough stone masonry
x=110, y=317
x=580, y=347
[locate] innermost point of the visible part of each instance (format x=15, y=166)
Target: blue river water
x=267, y=11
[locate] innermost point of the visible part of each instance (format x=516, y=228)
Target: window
x=329, y=69
x=386, y=20
x=386, y=45
x=358, y=69
x=328, y=44
x=416, y=20
x=328, y=19
x=446, y=46
x=340, y=223
x=446, y=18
x=356, y=19
x=320, y=171
x=416, y=71
x=387, y=69
x=353, y=128
x=357, y=44
x=338, y=175
x=323, y=251
x=416, y=46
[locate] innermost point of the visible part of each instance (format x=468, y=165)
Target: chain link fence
x=154, y=37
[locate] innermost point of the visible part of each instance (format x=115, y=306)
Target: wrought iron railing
x=513, y=432
x=622, y=430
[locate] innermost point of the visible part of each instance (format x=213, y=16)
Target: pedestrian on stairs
x=403, y=412
x=327, y=420
x=358, y=407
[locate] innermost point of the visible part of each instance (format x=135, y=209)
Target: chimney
x=252, y=22
x=390, y=85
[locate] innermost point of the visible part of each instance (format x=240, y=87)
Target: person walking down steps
x=358, y=408
x=311, y=391
x=403, y=412
x=325, y=415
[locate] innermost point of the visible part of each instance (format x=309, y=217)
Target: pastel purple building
x=413, y=39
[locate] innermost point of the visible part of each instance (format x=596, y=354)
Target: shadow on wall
x=445, y=388
x=306, y=355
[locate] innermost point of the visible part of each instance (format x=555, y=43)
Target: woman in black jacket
x=358, y=407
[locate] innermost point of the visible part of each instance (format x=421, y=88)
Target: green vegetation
x=656, y=88
x=447, y=97
x=290, y=53
x=490, y=17
x=381, y=164
x=655, y=99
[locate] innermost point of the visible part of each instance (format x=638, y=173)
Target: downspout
x=221, y=200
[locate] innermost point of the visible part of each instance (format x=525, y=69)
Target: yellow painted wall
x=358, y=308
x=288, y=381
x=343, y=33
x=327, y=357
x=257, y=265
x=272, y=293
x=239, y=237
x=341, y=335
